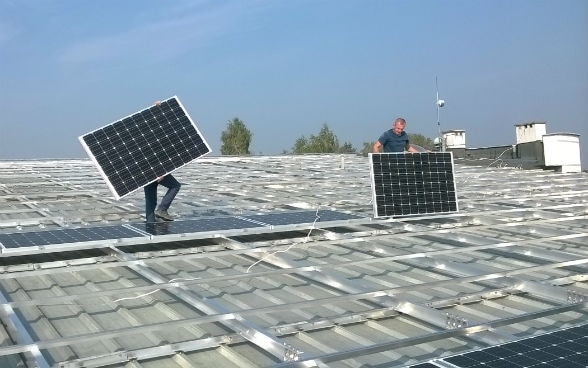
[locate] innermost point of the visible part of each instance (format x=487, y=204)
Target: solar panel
x=199, y=225
x=64, y=236
x=564, y=348
x=405, y=184
x=134, y=151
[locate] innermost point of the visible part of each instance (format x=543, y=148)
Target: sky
x=287, y=67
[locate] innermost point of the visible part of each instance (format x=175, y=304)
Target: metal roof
x=370, y=292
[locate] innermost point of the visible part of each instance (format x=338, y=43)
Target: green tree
x=347, y=148
x=301, y=145
x=421, y=140
x=324, y=142
x=236, y=138
x=367, y=148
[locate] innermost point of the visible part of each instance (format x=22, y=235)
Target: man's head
x=398, y=126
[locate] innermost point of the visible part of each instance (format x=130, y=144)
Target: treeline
x=236, y=140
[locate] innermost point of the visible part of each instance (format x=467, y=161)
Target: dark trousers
x=173, y=187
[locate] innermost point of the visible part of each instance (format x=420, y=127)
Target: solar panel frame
x=134, y=151
x=407, y=184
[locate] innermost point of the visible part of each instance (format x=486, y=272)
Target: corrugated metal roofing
x=372, y=293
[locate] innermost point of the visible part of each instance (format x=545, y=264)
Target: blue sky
x=287, y=67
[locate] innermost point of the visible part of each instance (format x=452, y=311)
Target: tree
x=325, y=142
x=301, y=145
x=421, y=140
x=367, y=148
x=347, y=148
x=236, y=138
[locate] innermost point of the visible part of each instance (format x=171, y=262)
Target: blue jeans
x=173, y=187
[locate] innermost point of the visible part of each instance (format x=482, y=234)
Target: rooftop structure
x=534, y=149
x=363, y=291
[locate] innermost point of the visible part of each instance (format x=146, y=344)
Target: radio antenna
x=440, y=104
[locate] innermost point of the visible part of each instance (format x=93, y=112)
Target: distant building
x=534, y=148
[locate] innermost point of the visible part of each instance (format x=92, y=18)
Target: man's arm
x=376, y=147
x=410, y=148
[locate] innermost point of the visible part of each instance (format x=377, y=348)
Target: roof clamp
x=290, y=353
x=575, y=298
x=455, y=321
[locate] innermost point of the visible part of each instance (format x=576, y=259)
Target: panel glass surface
x=405, y=184
x=134, y=151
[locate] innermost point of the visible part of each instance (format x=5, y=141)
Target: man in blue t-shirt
x=395, y=139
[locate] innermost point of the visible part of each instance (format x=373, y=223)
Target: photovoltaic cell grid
x=405, y=184
x=134, y=151
x=564, y=348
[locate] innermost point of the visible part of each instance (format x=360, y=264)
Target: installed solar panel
x=565, y=348
x=199, y=225
x=405, y=184
x=64, y=236
x=134, y=151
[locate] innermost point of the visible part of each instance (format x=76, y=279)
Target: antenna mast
x=440, y=104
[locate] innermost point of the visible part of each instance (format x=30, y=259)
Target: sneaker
x=155, y=221
x=163, y=215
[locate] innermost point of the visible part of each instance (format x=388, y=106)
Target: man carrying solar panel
x=132, y=152
x=395, y=139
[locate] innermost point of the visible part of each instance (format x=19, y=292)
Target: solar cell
x=134, y=151
x=405, y=184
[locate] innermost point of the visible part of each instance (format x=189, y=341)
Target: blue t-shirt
x=392, y=142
